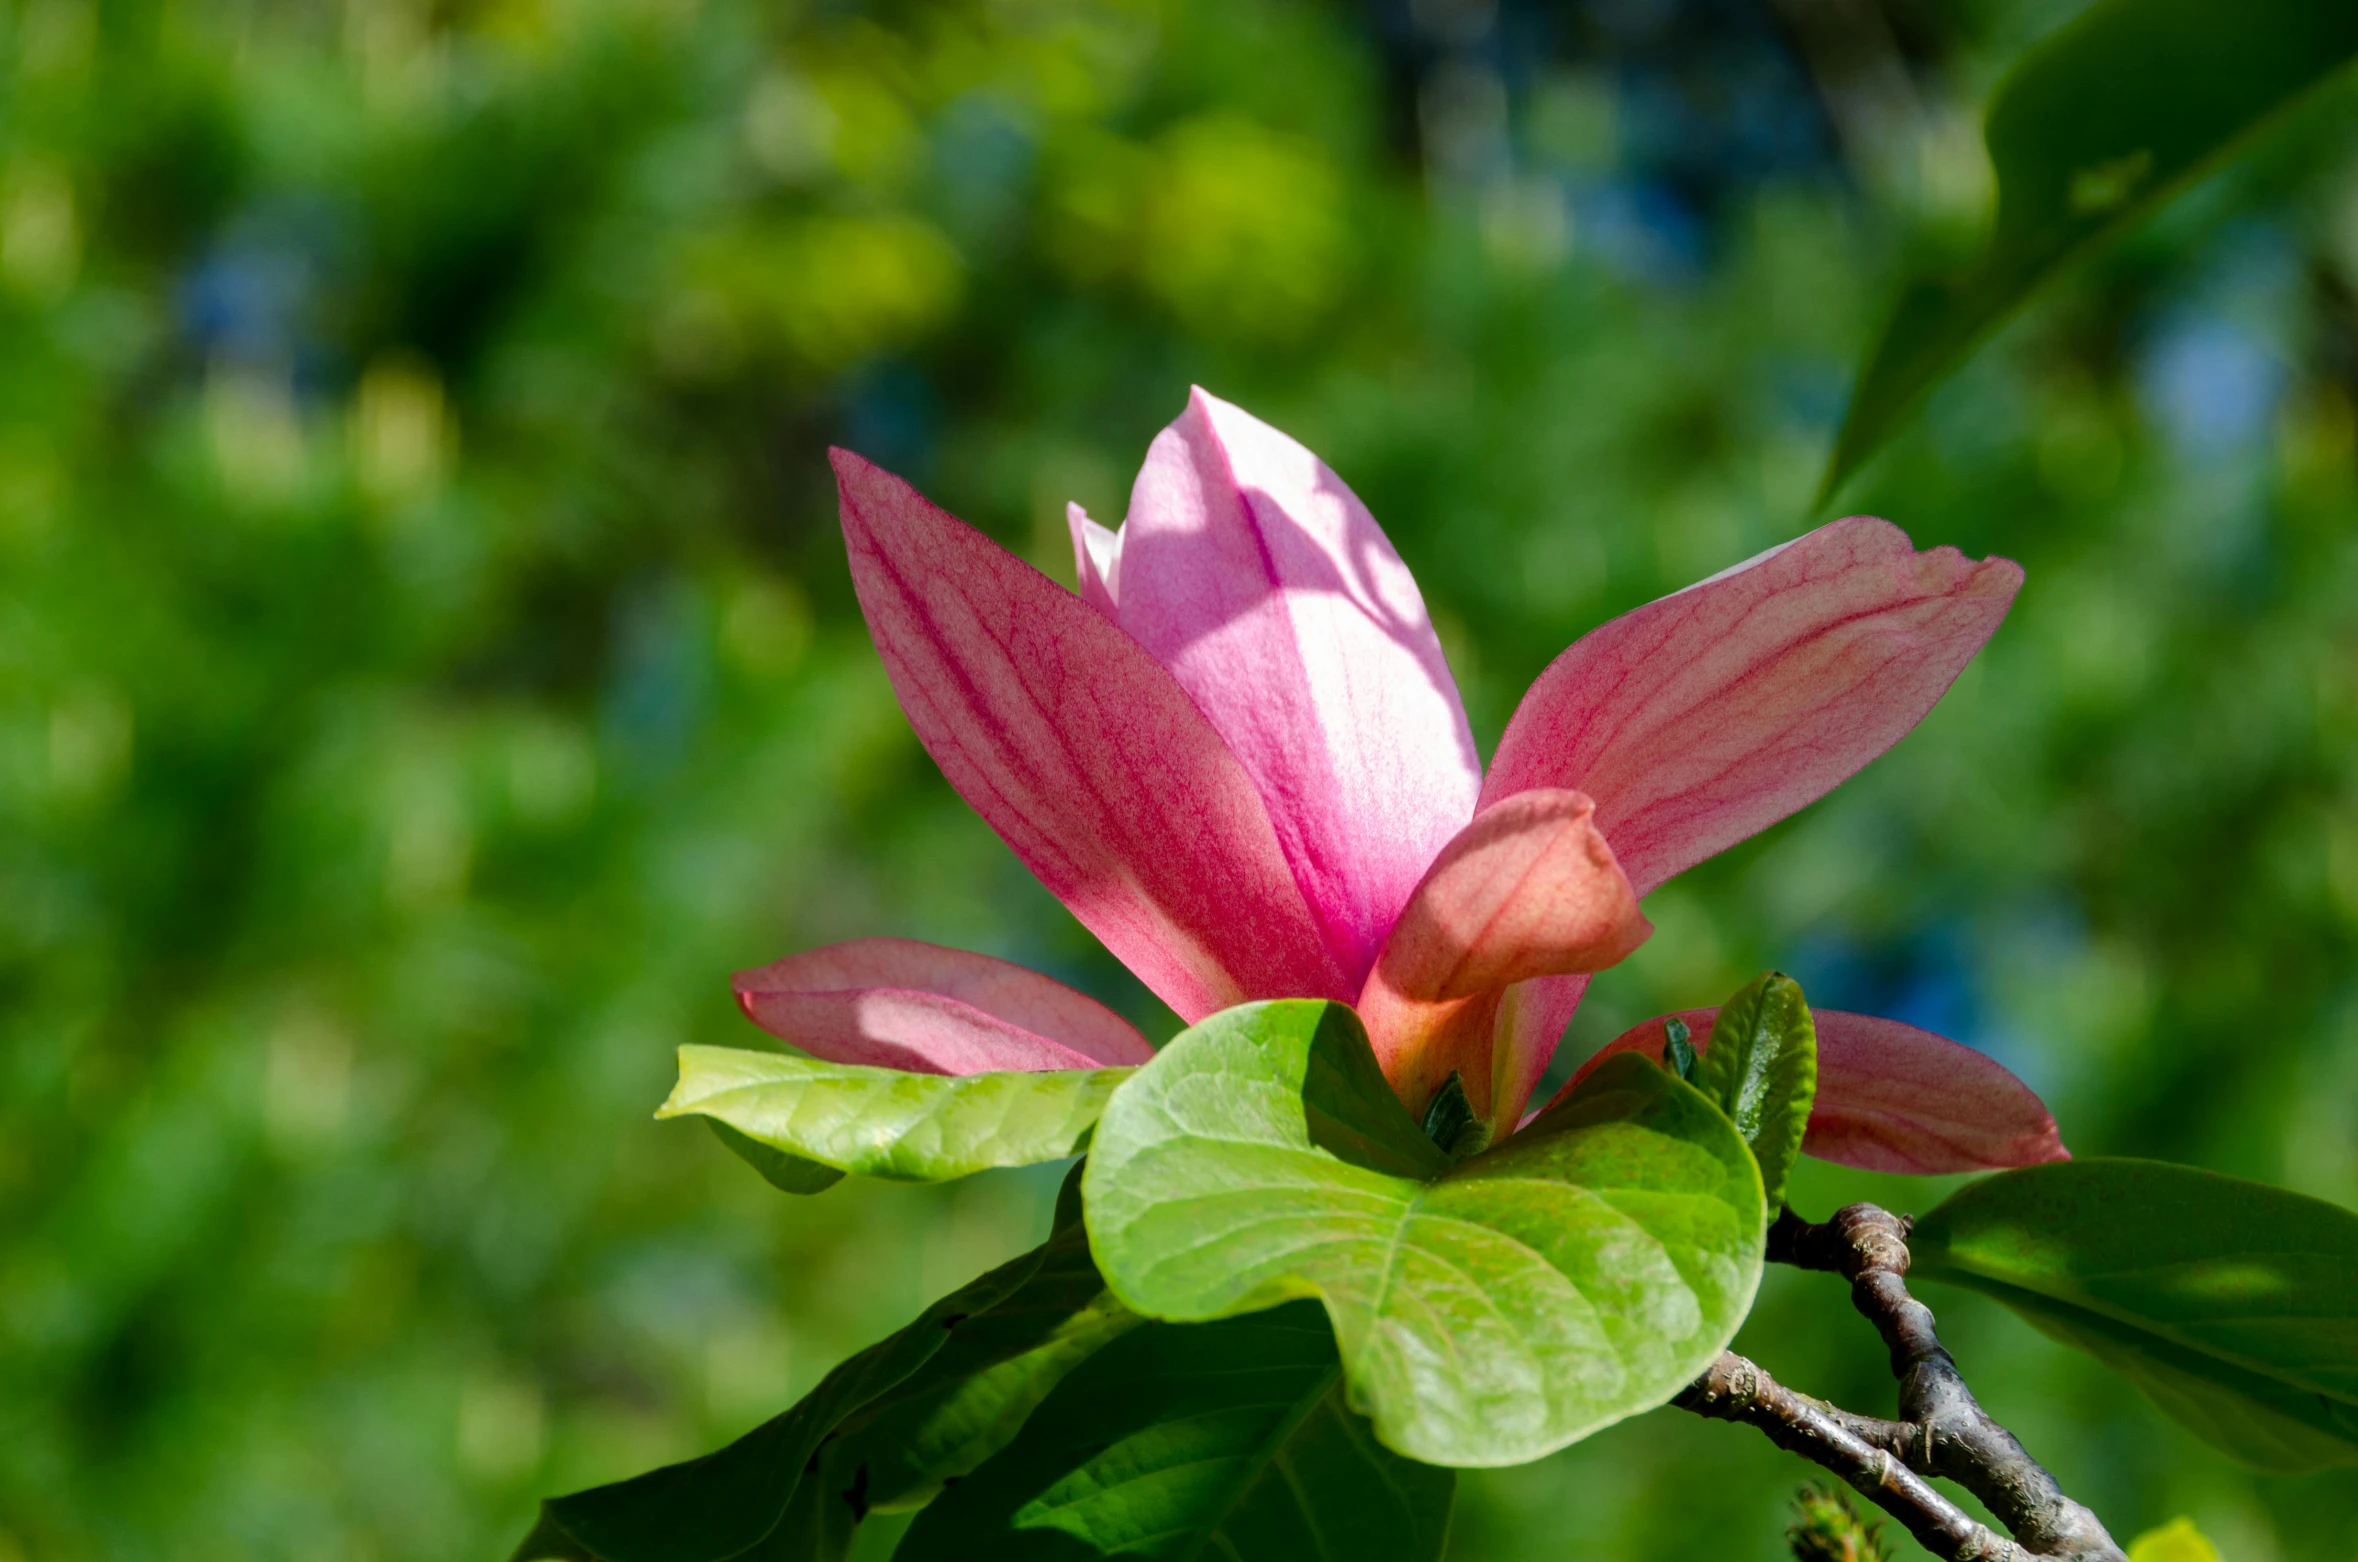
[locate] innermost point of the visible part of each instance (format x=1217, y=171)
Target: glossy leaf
x=969, y=1399
x=1678, y=1050
x=818, y=1525
x=2233, y=1305
x=1488, y=1311
x=2089, y=132
x=885, y=1428
x=1762, y=1069
x=1450, y=1121
x=1228, y=1440
x=1890, y=1097
x=881, y=1122
x=726, y=1503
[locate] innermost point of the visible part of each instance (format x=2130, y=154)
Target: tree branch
x=1735, y=1389
x=1942, y=1430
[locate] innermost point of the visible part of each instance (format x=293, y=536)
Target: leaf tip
x=677, y=1104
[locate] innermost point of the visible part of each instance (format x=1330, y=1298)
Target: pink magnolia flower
x=1239, y=757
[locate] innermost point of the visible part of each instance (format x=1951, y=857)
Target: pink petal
x=897, y=1003
x=1897, y=1099
x=1262, y=582
x=1531, y=1022
x=1084, y=754
x=1529, y=888
x=1097, y=559
x=1707, y=716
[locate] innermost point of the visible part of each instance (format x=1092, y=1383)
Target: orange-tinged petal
x=1529, y=888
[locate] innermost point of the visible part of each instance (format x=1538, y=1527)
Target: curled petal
x=897, y=1003
x=1084, y=754
x=1528, y=889
x=1260, y=580
x=1707, y=716
x=1897, y=1099
x=1097, y=560
x=1531, y=1023
x=1420, y=1042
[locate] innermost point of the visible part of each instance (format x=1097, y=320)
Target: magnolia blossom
x=1239, y=757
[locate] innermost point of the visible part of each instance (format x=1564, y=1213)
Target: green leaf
x=787, y=1173
x=1762, y=1069
x=2176, y=1541
x=885, y=1428
x=882, y=1122
x=1227, y=1440
x=1678, y=1050
x=1451, y=1123
x=2094, y=128
x=726, y=1503
x=2233, y=1305
x=966, y=1402
x=1827, y=1528
x=818, y=1525
x=1488, y=1311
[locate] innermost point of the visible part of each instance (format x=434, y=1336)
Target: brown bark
x=1942, y=1429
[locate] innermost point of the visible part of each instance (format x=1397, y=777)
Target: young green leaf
x=1228, y=1440
x=1488, y=1311
x=2176, y=1541
x=2233, y=1305
x=1678, y=1050
x=2089, y=132
x=1827, y=1528
x=1450, y=1121
x=882, y=1122
x=884, y=1429
x=1762, y=1069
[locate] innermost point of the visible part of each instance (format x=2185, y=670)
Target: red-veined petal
x=1084, y=754
x=1705, y=717
x=1260, y=580
x=897, y=1003
x=1897, y=1099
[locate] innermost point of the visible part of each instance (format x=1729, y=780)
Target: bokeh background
x=427, y=666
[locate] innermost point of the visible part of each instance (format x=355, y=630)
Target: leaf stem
x=1942, y=1430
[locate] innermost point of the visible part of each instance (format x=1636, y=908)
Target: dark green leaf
x=1678, y=1050
x=2097, y=125
x=1227, y=1440
x=1488, y=1311
x=1762, y=1069
x=2233, y=1305
x=883, y=1429
x=820, y=1522
x=1451, y=1123
x=965, y=1403
x=787, y=1173
x=883, y=1122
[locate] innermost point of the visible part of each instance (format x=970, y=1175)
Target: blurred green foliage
x=427, y=666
